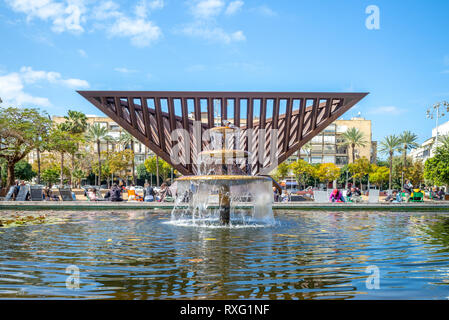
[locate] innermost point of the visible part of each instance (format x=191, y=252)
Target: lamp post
x=434, y=112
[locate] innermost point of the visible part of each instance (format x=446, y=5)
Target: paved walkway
x=442, y=206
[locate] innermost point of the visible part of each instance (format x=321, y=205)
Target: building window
x=341, y=160
x=329, y=159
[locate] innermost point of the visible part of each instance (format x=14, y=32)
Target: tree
x=379, y=175
x=96, y=134
x=119, y=162
x=408, y=142
x=22, y=171
x=142, y=172
x=157, y=167
x=19, y=128
x=389, y=146
x=126, y=139
x=328, y=172
x=360, y=168
x=62, y=142
x=50, y=175
x=302, y=171
x=281, y=172
x=354, y=139
x=78, y=174
x=436, y=169
x=76, y=124
x=415, y=173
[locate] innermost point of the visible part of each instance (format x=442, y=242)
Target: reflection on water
x=304, y=255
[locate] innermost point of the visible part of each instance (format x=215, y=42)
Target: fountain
x=224, y=193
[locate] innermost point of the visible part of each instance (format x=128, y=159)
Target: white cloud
x=234, y=7
x=140, y=31
x=207, y=9
x=71, y=15
x=386, y=110
x=82, y=53
x=125, y=70
x=206, y=14
x=30, y=76
x=65, y=15
x=12, y=86
x=106, y=10
x=214, y=34
x=142, y=8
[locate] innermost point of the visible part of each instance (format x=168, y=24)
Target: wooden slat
x=224, y=109
x=146, y=117
x=237, y=112
x=302, y=108
x=171, y=114
x=186, y=126
x=132, y=112
x=160, y=123
x=288, y=124
x=210, y=112
x=118, y=107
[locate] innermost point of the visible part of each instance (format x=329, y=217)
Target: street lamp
x=434, y=112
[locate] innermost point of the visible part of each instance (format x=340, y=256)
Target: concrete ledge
x=300, y=206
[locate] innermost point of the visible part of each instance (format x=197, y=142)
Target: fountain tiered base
x=226, y=194
x=223, y=200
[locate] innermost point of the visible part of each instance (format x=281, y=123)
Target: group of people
x=115, y=194
x=353, y=194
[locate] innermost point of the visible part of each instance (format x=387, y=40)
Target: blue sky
x=50, y=48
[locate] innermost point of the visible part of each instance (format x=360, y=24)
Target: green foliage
x=20, y=129
x=142, y=172
x=328, y=172
x=360, y=168
x=379, y=175
x=353, y=138
x=389, y=146
x=50, y=175
x=436, y=169
x=281, y=172
x=302, y=171
x=119, y=163
x=22, y=171
x=76, y=122
x=164, y=167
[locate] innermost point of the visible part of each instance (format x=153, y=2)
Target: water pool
x=305, y=255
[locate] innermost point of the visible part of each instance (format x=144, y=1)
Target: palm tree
x=75, y=123
x=389, y=146
x=354, y=139
x=96, y=134
x=127, y=139
x=408, y=141
x=308, y=149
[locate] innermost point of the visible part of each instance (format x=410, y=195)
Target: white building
x=427, y=148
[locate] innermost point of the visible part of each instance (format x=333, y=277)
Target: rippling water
x=304, y=255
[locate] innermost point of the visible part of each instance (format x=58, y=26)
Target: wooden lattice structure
x=151, y=117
